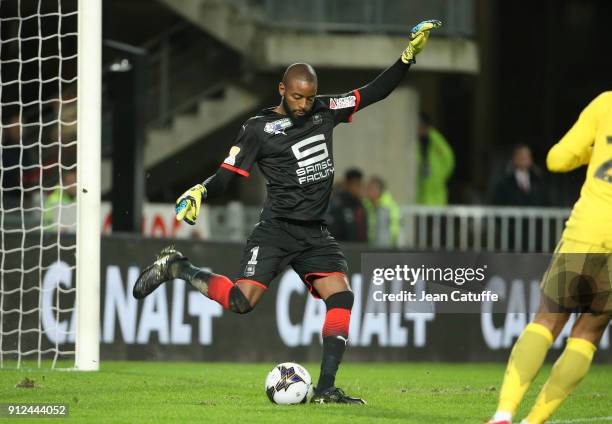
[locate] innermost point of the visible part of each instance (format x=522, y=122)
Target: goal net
x=47, y=153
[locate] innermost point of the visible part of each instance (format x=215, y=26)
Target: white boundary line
x=582, y=420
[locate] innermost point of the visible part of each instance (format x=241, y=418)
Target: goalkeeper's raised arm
x=345, y=105
x=386, y=82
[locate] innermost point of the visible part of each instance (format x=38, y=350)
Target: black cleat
x=336, y=395
x=159, y=272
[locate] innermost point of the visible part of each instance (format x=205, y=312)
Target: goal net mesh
x=38, y=77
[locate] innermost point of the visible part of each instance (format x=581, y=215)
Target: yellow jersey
x=589, y=142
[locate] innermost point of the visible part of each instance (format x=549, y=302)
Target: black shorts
x=308, y=247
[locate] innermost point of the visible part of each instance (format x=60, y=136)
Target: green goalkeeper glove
x=418, y=37
x=188, y=205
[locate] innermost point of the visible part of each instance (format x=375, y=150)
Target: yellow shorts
x=578, y=278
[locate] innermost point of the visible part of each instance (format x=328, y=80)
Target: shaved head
x=300, y=72
x=298, y=90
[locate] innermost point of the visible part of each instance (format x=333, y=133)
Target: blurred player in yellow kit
x=578, y=277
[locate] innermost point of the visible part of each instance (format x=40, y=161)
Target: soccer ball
x=289, y=384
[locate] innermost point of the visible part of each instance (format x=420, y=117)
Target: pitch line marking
x=582, y=420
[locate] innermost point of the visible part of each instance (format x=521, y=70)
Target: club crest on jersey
x=231, y=159
x=249, y=271
x=317, y=119
x=342, y=102
x=278, y=127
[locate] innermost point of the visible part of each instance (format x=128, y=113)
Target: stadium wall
x=177, y=323
x=381, y=141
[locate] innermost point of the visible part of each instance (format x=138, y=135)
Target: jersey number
x=319, y=150
x=254, y=253
x=602, y=171
x=249, y=271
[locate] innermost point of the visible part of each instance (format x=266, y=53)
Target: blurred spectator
x=522, y=183
x=59, y=135
x=17, y=161
x=347, y=216
x=63, y=111
x=435, y=164
x=11, y=178
x=64, y=195
x=383, y=214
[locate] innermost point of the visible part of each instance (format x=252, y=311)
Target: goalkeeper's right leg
x=166, y=267
x=171, y=264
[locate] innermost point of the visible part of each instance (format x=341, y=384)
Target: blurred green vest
x=383, y=221
x=432, y=175
x=53, y=202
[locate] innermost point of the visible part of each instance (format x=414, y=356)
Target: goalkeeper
x=292, y=144
x=578, y=277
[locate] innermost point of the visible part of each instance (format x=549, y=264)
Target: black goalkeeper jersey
x=297, y=161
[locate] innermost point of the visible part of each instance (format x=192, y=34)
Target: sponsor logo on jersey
x=342, y=102
x=278, y=127
x=313, y=159
x=231, y=159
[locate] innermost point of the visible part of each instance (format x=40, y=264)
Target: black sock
x=197, y=277
x=335, y=335
x=333, y=350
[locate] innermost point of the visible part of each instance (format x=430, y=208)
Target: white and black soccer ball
x=289, y=384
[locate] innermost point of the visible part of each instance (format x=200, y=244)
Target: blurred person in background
x=292, y=145
x=64, y=109
x=383, y=214
x=435, y=164
x=347, y=218
x=17, y=160
x=60, y=138
x=64, y=195
x=522, y=183
x=578, y=279
x=11, y=158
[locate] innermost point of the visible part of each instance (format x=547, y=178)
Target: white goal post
x=87, y=354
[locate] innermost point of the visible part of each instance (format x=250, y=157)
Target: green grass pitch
x=130, y=392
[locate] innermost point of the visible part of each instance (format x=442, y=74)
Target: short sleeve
x=243, y=154
x=342, y=106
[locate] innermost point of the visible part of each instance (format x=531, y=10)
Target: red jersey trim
x=256, y=283
x=323, y=274
x=311, y=288
x=236, y=170
x=356, y=108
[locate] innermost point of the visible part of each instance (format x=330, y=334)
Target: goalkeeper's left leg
x=334, y=289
